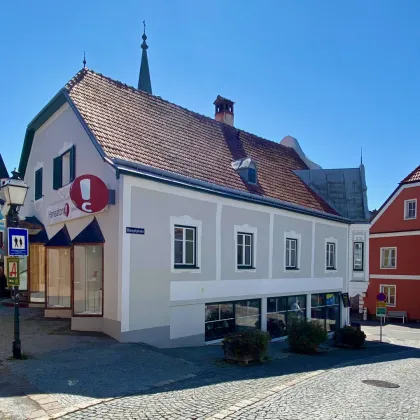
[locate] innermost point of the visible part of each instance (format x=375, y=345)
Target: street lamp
x=15, y=191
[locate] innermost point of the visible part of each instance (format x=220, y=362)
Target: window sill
x=358, y=270
x=330, y=269
x=245, y=268
x=292, y=269
x=410, y=218
x=186, y=267
x=388, y=268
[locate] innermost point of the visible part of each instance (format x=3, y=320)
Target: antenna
x=84, y=59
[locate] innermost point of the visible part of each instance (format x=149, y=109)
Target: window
x=291, y=254
x=388, y=257
x=244, y=244
x=330, y=256
x=325, y=309
x=38, y=183
x=88, y=280
x=58, y=278
x=37, y=273
x=184, y=246
x=410, y=209
x=252, y=175
x=247, y=170
x=358, y=256
x=227, y=317
x=64, y=169
x=390, y=292
x=280, y=310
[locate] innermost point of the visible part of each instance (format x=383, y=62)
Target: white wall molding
x=219, y=210
x=394, y=277
x=258, y=288
x=394, y=234
x=271, y=247
x=313, y=250
x=186, y=221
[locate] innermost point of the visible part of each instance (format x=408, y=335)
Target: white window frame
x=363, y=256
x=250, y=230
x=186, y=221
x=381, y=290
x=184, y=241
x=335, y=242
x=243, y=265
x=298, y=237
x=406, y=209
x=382, y=260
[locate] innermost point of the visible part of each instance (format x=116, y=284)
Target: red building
x=394, y=250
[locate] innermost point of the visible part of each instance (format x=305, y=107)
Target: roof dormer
x=247, y=170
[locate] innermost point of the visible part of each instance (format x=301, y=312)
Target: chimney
x=223, y=110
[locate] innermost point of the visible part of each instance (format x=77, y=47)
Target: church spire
x=144, y=78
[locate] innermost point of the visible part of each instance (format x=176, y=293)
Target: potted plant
x=349, y=337
x=246, y=346
x=305, y=336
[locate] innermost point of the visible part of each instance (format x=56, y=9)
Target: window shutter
x=38, y=184
x=72, y=163
x=57, y=173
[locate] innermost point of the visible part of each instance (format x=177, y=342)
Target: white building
x=208, y=229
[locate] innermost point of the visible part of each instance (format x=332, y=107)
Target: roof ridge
x=81, y=73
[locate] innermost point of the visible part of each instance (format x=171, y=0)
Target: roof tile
x=138, y=127
x=412, y=177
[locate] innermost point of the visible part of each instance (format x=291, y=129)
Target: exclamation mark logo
x=85, y=191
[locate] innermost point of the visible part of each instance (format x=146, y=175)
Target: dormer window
x=246, y=169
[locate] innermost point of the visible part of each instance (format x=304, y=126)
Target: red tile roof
x=412, y=177
x=138, y=127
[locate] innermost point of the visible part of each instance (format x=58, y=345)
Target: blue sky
x=338, y=76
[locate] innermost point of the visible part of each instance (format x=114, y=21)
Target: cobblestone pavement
x=317, y=394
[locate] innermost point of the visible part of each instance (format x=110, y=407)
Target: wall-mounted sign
x=346, y=300
x=136, y=231
x=17, y=242
x=89, y=193
x=63, y=211
x=12, y=272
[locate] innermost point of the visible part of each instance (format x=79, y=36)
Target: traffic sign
x=89, y=193
x=380, y=304
x=380, y=311
x=17, y=242
x=381, y=297
x=12, y=272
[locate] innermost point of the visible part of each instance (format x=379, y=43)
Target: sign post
x=381, y=309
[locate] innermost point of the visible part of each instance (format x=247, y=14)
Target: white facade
x=148, y=299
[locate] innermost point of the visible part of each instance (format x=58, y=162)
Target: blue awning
x=61, y=238
x=91, y=234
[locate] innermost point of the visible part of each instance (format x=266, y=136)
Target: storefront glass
x=37, y=273
x=58, y=278
x=280, y=310
x=326, y=310
x=88, y=280
x=227, y=317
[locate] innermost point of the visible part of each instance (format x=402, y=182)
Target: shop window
x=64, y=169
x=280, y=310
x=390, y=292
x=325, y=309
x=37, y=273
x=227, y=317
x=184, y=246
x=358, y=256
x=388, y=257
x=58, y=278
x=88, y=280
x=244, y=250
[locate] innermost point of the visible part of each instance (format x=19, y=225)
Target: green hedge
x=305, y=336
x=247, y=343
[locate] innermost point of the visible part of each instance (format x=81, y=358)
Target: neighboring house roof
x=3, y=169
x=128, y=125
x=412, y=177
x=343, y=189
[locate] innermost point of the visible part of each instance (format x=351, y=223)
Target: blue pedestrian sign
x=18, y=242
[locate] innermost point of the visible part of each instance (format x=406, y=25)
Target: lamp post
x=15, y=191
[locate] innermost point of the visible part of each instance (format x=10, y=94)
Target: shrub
x=305, y=336
x=350, y=336
x=251, y=343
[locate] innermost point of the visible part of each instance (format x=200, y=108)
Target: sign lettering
x=135, y=231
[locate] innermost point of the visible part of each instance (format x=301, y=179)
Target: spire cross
x=144, y=29
x=84, y=59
